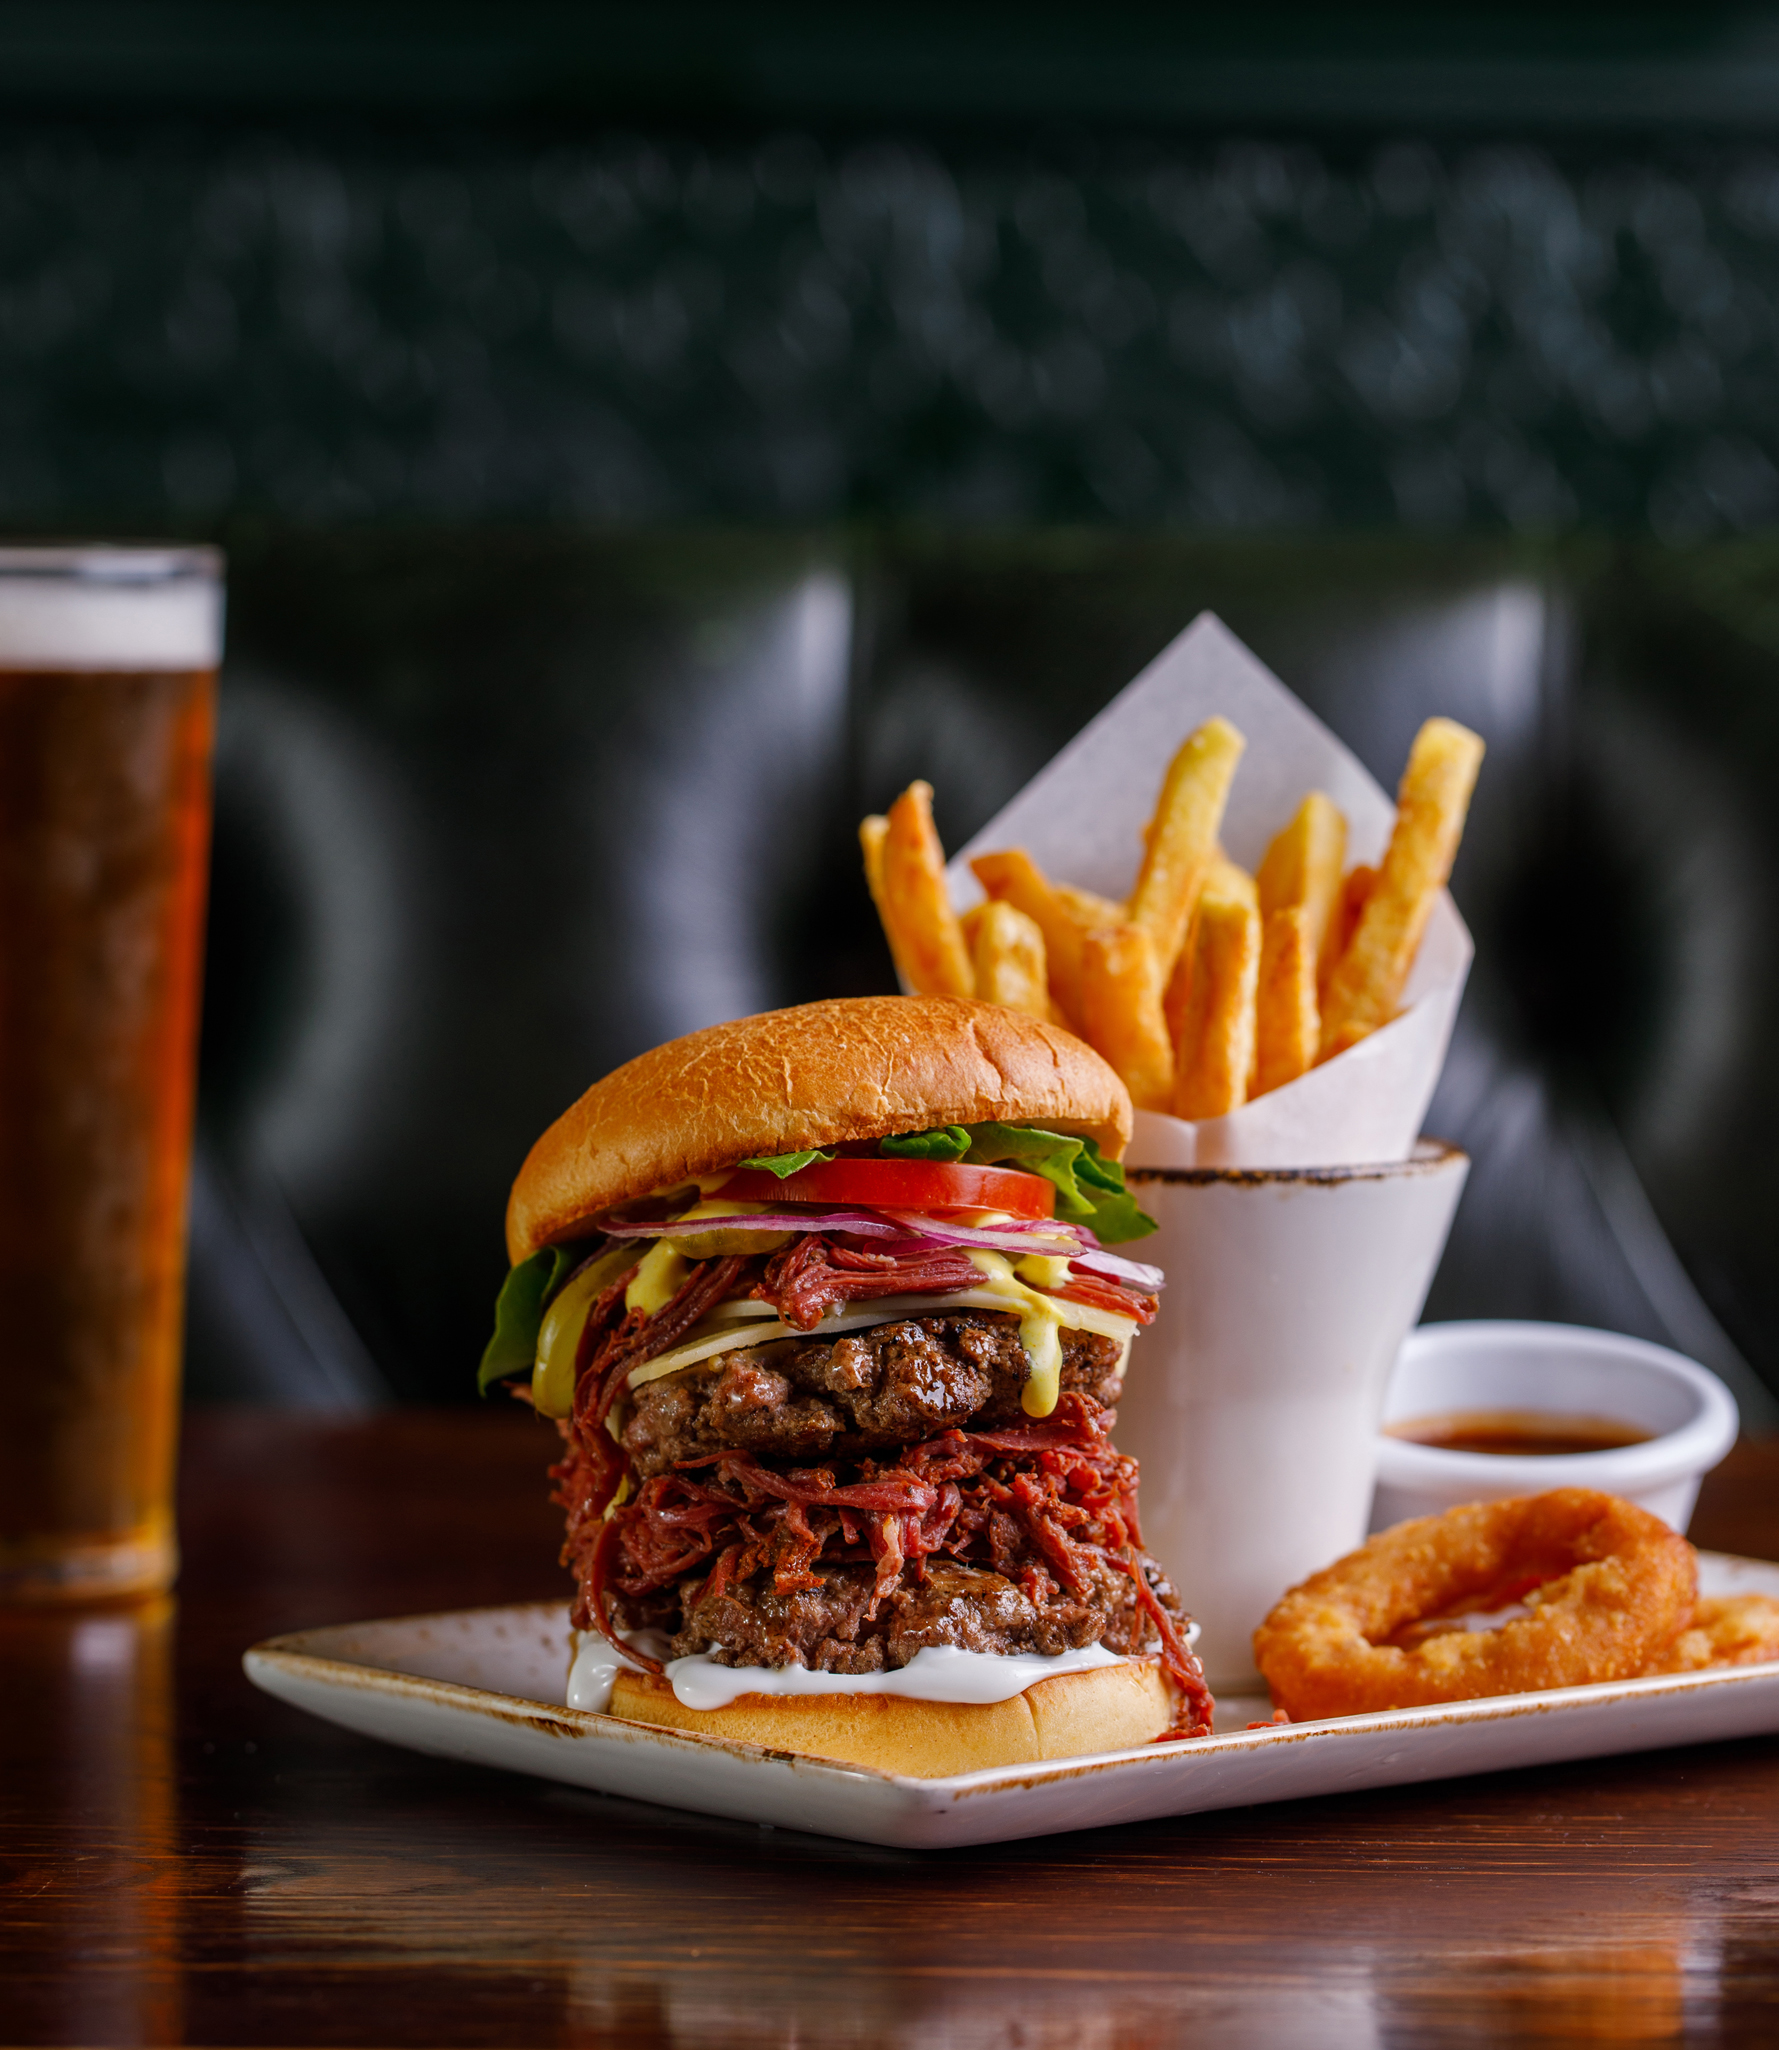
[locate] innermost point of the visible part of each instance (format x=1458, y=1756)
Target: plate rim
x=291, y=1652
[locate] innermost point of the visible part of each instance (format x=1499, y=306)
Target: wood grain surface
x=183, y=1861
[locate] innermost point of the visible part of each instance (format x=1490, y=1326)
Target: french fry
x=1287, y=1023
x=1013, y=877
x=1209, y=986
x=1007, y=951
x=1303, y=866
x=1121, y=1010
x=1216, y=1045
x=873, y=831
x=1181, y=839
x=913, y=902
x=1222, y=877
x=1177, y=994
x=1226, y=878
x=1359, y=883
x=1087, y=908
x=1431, y=803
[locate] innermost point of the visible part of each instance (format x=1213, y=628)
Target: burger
x=821, y=1304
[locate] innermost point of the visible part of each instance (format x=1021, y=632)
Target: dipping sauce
x=1517, y=1433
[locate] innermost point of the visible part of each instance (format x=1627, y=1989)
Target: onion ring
x=1726, y=1630
x=1607, y=1585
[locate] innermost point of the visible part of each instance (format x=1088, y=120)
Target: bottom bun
x=1105, y=1708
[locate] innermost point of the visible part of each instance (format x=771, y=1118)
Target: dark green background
x=984, y=265
x=534, y=363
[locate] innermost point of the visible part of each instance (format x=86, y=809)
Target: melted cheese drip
x=725, y=1336
x=1044, y=1270
x=658, y=1280
x=1040, y=1329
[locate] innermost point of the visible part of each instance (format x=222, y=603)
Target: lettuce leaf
x=1089, y=1188
x=946, y=1142
x=519, y=1311
x=782, y=1164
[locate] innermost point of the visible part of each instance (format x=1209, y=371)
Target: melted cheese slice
x=734, y=1325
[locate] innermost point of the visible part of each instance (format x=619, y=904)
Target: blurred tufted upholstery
x=495, y=812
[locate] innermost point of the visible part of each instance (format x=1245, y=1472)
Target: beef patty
x=825, y=1627
x=894, y=1384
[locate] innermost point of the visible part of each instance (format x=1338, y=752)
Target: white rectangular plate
x=488, y=1685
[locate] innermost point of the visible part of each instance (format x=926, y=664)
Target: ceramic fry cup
x=1253, y=1400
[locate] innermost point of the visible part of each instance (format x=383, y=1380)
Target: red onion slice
x=912, y=1228
x=1135, y=1273
x=1004, y=1238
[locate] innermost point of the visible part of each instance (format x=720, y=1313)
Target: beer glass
x=108, y=663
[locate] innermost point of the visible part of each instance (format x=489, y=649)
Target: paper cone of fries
x=1081, y=818
x=1300, y=1232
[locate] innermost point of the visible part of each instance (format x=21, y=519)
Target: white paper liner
x=1082, y=816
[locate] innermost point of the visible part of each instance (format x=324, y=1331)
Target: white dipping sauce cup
x=1562, y=1370
x=1253, y=1400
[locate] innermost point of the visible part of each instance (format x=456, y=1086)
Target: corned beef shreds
x=1012, y=1534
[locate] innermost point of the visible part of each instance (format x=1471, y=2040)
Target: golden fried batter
x=1726, y=1630
x=1608, y=1587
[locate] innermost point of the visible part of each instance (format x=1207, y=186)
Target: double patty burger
x=821, y=1305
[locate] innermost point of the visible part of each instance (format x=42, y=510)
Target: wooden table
x=186, y=1861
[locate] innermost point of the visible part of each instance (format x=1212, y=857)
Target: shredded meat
x=806, y=1280
x=833, y=1627
x=813, y=1275
x=601, y=1367
x=710, y=1518
x=1049, y=1507
x=894, y=1384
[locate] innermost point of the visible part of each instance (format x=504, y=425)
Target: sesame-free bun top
x=850, y=1069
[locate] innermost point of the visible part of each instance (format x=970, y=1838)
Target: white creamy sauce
x=935, y=1673
x=596, y=1665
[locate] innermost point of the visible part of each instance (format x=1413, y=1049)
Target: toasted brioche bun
x=1106, y=1708
x=853, y=1068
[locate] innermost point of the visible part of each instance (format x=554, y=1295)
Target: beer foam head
x=110, y=608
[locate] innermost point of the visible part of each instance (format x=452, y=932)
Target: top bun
x=853, y=1068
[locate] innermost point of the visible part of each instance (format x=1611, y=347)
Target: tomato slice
x=899, y=1185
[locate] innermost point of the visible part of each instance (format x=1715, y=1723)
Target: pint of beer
x=108, y=663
